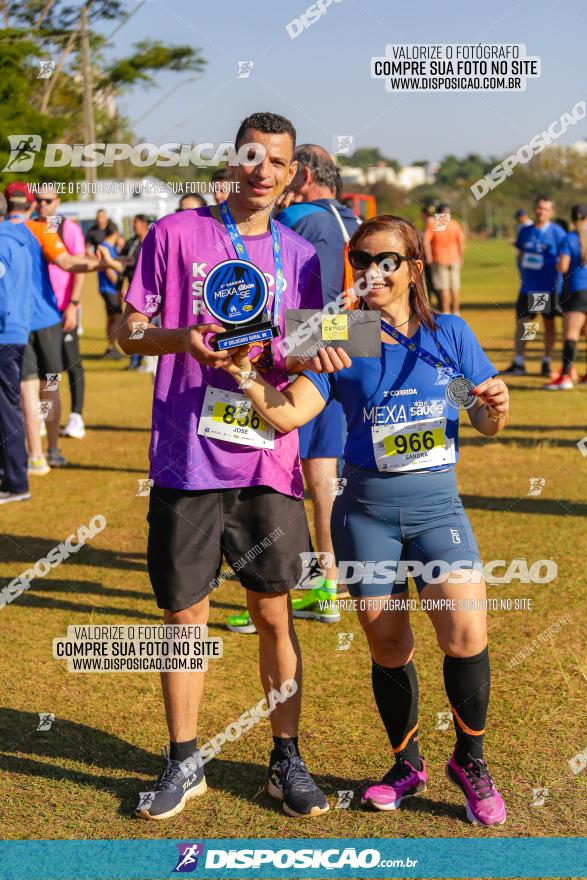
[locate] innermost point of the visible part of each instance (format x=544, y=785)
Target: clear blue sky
x=321, y=80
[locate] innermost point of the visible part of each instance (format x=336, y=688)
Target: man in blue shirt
x=319, y=217
x=538, y=247
x=573, y=265
x=15, y=321
x=522, y=220
x=327, y=224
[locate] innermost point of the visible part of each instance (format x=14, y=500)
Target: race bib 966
x=411, y=446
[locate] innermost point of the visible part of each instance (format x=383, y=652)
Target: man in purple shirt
x=224, y=482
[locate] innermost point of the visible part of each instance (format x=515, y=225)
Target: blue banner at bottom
x=290, y=858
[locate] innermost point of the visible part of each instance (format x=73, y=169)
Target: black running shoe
x=112, y=354
x=290, y=782
x=179, y=781
x=514, y=370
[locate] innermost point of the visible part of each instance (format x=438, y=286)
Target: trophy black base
x=246, y=334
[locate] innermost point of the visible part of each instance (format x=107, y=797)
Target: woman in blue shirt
x=400, y=513
x=573, y=259
x=108, y=287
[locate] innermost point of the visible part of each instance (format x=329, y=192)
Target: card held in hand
x=307, y=331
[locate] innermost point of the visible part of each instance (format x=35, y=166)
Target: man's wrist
x=184, y=337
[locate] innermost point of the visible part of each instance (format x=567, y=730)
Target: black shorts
x=525, y=306
x=43, y=353
x=112, y=303
x=260, y=532
x=575, y=301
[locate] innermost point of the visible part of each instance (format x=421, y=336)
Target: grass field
x=80, y=779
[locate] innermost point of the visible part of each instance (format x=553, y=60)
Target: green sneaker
x=241, y=623
x=317, y=604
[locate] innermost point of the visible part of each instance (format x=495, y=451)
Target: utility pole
x=89, y=128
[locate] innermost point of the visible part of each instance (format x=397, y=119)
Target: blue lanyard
x=241, y=253
x=447, y=365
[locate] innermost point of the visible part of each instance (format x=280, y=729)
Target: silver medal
x=459, y=392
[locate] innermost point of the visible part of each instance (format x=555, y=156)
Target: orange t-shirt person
x=445, y=239
x=51, y=244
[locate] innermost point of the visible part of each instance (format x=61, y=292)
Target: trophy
x=236, y=294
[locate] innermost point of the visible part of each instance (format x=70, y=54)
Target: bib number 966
x=418, y=441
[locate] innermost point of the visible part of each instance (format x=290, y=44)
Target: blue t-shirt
x=16, y=287
x=540, y=248
x=384, y=395
x=577, y=270
x=45, y=312
x=316, y=222
x=104, y=283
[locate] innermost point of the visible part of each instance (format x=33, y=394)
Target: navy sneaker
x=514, y=370
x=179, y=781
x=290, y=782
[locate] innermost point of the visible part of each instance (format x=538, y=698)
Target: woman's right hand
x=330, y=360
x=239, y=366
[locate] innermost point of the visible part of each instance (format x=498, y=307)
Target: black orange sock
x=396, y=694
x=467, y=683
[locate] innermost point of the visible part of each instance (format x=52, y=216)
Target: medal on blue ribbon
x=459, y=391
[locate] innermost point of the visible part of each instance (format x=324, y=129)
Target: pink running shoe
x=402, y=781
x=485, y=805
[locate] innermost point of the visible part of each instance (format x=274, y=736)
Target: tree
x=150, y=56
x=453, y=171
x=51, y=28
x=390, y=199
x=366, y=157
x=57, y=27
x=18, y=115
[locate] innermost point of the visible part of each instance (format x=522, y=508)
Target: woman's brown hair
x=413, y=247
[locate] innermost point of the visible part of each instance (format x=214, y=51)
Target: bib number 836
x=244, y=418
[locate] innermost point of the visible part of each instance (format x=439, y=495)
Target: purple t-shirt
x=177, y=255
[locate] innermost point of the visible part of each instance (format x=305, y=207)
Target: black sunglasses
x=388, y=261
x=45, y=200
